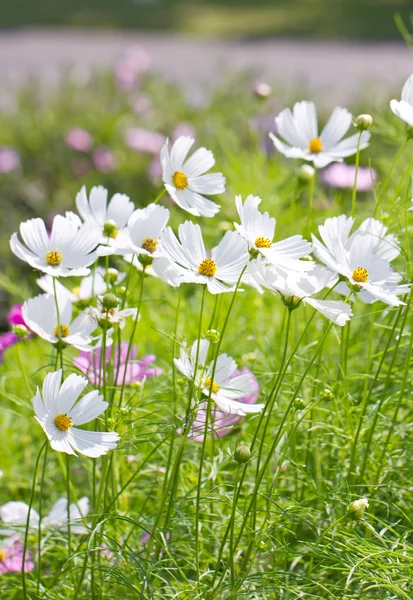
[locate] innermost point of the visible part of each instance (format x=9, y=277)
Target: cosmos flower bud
x=110, y=301
x=327, y=394
x=261, y=89
x=356, y=509
x=212, y=335
x=122, y=290
x=299, y=403
x=21, y=331
x=112, y=275
x=110, y=229
x=242, y=454
x=364, y=122
x=305, y=173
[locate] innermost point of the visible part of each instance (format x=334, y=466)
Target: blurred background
x=91, y=89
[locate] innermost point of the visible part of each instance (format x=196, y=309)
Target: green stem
x=387, y=180
x=26, y=534
x=159, y=196
x=310, y=203
x=59, y=329
x=353, y=197
x=39, y=528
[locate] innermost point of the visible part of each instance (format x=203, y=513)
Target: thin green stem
x=387, y=180
x=39, y=526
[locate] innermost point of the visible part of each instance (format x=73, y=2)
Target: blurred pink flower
x=143, y=140
x=261, y=89
x=104, y=159
x=79, y=139
x=341, y=175
x=221, y=423
x=15, y=316
x=183, y=130
x=9, y=160
x=9, y=338
x=136, y=370
x=155, y=168
x=81, y=167
x=141, y=105
x=130, y=67
x=11, y=557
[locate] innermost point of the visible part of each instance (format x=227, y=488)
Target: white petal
x=335, y=310
x=93, y=443
x=88, y=408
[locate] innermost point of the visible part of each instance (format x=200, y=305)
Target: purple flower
x=143, y=140
x=11, y=557
x=79, y=139
x=15, y=315
x=341, y=175
x=136, y=370
x=221, y=423
x=104, y=159
x=128, y=70
x=9, y=160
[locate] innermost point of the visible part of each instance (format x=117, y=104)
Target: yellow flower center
x=63, y=422
x=64, y=330
x=208, y=383
x=110, y=229
x=262, y=242
x=180, y=180
x=54, y=258
x=360, y=275
x=3, y=555
x=150, y=244
x=315, y=146
x=207, y=267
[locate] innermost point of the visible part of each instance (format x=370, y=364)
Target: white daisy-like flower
x=109, y=218
x=14, y=514
x=219, y=270
x=111, y=316
x=58, y=411
x=299, y=130
x=258, y=229
x=144, y=230
x=404, y=108
x=296, y=288
x=40, y=314
x=90, y=286
x=69, y=250
x=185, y=179
x=224, y=387
x=361, y=259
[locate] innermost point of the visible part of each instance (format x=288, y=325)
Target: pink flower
x=9, y=160
x=143, y=140
x=11, y=557
x=104, y=159
x=79, y=139
x=221, y=423
x=141, y=105
x=136, y=370
x=15, y=315
x=131, y=66
x=7, y=340
x=341, y=175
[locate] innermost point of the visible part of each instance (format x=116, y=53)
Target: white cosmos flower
x=224, y=388
x=58, y=411
x=361, y=258
x=143, y=232
x=185, y=180
x=296, y=288
x=90, y=286
x=40, y=314
x=404, y=108
x=101, y=314
x=258, y=229
x=218, y=269
x=109, y=218
x=68, y=251
x=14, y=514
x=299, y=130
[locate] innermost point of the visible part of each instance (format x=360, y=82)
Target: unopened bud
x=110, y=229
x=242, y=454
x=364, y=122
x=327, y=394
x=261, y=89
x=21, y=331
x=122, y=290
x=306, y=173
x=299, y=403
x=212, y=335
x=110, y=301
x=356, y=509
x=112, y=275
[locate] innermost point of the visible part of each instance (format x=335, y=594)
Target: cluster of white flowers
x=353, y=264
